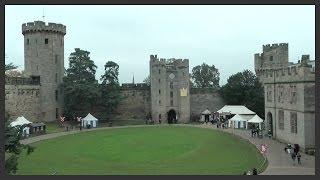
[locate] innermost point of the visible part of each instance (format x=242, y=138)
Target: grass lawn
x=151, y=150
x=53, y=127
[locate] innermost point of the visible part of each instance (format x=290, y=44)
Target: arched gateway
x=172, y=116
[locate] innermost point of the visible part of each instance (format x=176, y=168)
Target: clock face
x=171, y=76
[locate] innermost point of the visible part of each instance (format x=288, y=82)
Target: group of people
x=255, y=132
x=294, y=152
x=253, y=172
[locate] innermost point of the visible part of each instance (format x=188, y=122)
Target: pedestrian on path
x=299, y=158
x=293, y=156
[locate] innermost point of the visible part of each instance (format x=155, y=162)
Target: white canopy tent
x=89, y=120
x=237, y=121
x=255, y=120
x=235, y=109
x=204, y=113
x=22, y=121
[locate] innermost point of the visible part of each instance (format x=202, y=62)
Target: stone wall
x=202, y=99
x=23, y=100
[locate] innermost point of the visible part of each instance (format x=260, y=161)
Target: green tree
x=110, y=88
x=244, y=88
x=80, y=88
x=205, y=76
x=10, y=66
x=13, y=147
x=147, y=80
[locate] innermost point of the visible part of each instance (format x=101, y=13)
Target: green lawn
x=53, y=127
x=142, y=150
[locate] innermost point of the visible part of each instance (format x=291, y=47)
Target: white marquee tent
x=237, y=121
x=22, y=121
x=204, y=113
x=235, y=109
x=89, y=120
x=255, y=120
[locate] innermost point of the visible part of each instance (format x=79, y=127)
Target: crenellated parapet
x=40, y=26
x=270, y=47
x=296, y=73
x=21, y=81
x=154, y=60
x=130, y=86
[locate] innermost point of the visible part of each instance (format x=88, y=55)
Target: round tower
x=44, y=60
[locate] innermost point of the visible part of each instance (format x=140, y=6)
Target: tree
x=110, y=88
x=10, y=66
x=205, y=76
x=244, y=88
x=147, y=80
x=80, y=88
x=13, y=148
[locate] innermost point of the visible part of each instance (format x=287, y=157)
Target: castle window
x=159, y=80
x=293, y=122
x=159, y=102
x=271, y=58
x=46, y=41
x=171, y=102
x=159, y=116
x=57, y=112
x=56, y=59
x=281, y=120
x=56, y=94
x=28, y=42
x=171, y=85
x=171, y=94
x=159, y=91
x=159, y=71
x=56, y=78
x=36, y=41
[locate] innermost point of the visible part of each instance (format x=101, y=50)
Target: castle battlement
x=37, y=26
x=170, y=61
x=125, y=86
x=299, y=72
x=269, y=47
x=21, y=81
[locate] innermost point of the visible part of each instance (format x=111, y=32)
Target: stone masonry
x=289, y=95
x=170, y=96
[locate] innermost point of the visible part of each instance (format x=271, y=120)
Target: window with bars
x=46, y=41
x=293, y=122
x=281, y=119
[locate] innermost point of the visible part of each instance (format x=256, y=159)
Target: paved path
x=280, y=163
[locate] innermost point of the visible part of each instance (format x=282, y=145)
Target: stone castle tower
x=44, y=60
x=170, y=96
x=289, y=95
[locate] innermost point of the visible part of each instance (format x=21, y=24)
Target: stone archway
x=171, y=116
x=270, y=122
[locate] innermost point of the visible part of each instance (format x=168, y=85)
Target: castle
x=37, y=95
x=289, y=95
x=170, y=99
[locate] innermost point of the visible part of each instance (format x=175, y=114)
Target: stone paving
x=280, y=163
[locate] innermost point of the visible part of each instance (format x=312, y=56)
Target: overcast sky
x=226, y=36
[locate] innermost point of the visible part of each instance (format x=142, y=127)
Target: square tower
x=170, y=96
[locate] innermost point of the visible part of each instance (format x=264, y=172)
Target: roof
x=206, y=112
x=255, y=119
x=235, y=109
x=237, y=117
x=89, y=117
x=20, y=121
x=37, y=124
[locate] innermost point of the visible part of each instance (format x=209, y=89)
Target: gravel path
x=280, y=163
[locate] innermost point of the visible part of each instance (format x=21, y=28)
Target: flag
x=62, y=118
x=263, y=148
x=79, y=119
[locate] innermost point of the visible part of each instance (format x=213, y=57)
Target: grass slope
x=149, y=150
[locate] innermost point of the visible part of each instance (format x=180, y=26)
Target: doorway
x=171, y=116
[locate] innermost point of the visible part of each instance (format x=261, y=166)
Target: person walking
x=299, y=158
x=293, y=156
x=254, y=171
